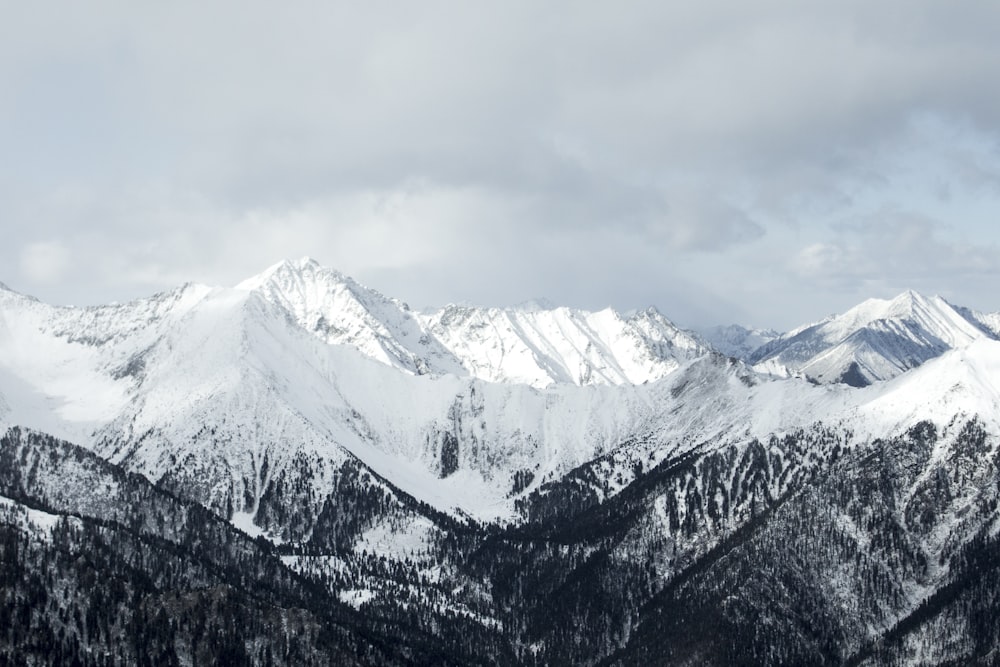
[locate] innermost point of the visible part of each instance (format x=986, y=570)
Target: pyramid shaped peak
x=910, y=297
x=300, y=265
x=303, y=263
x=289, y=267
x=871, y=310
x=905, y=303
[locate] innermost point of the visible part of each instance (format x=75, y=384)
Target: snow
x=411, y=541
x=36, y=522
x=540, y=347
x=878, y=338
x=356, y=597
x=245, y=522
x=224, y=379
x=960, y=382
x=534, y=344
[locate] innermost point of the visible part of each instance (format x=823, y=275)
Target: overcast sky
x=765, y=163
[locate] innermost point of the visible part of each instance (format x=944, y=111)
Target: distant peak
x=304, y=262
x=910, y=296
x=908, y=300
x=648, y=313
x=534, y=305
x=295, y=267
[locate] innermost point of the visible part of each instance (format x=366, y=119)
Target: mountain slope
x=67, y=371
x=113, y=571
x=834, y=566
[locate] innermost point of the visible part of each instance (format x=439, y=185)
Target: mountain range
x=466, y=485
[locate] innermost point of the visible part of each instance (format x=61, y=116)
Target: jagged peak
x=296, y=267
x=303, y=262
x=535, y=305
x=651, y=311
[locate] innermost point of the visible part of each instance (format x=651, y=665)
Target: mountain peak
x=877, y=339
x=304, y=261
x=902, y=306
x=908, y=300
x=291, y=268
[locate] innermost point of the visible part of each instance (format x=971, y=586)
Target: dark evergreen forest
x=794, y=551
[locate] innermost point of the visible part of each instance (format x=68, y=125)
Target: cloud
x=45, y=262
x=476, y=147
x=899, y=249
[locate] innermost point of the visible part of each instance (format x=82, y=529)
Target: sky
x=766, y=163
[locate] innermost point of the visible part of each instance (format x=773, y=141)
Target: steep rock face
x=876, y=340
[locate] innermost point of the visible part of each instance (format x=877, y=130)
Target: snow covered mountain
x=201, y=389
x=466, y=409
x=876, y=340
x=543, y=346
x=520, y=473
x=531, y=345
x=340, y=311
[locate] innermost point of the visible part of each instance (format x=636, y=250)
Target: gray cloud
x=661, y=153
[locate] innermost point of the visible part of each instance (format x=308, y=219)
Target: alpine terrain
x=300, y=470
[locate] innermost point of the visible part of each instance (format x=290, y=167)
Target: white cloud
x=897, y=250
x=475, y=148
x=45, y=262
